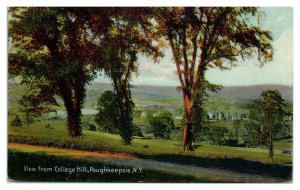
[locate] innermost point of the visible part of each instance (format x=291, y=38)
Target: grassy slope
x=58, y=136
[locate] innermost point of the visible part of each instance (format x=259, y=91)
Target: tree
x=272, y=104
x=106, y=117
x=129, y=34
x=257, y=118
x=33, y=106
x=217, y=134
x=205, y=37
x=51, y=49
x=267, y=118
x=161, y=124
x=253, y=135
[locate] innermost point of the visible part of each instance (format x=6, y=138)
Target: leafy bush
x=177, y=136
x=137, y=131
x=92, y=127
x=161, y=124
x=16, y=122
x=217, y=135
x=88, y=123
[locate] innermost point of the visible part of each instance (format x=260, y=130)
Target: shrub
x=137, y=131
x=88, y=123
x=92, y=127
x=217, y=135
x=16, y=122
x=161, y=124
x=177, y=135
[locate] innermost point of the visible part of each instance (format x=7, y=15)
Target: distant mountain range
x=252, y=92
x=231, y=92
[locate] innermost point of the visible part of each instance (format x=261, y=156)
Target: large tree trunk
x=72, y=105
x=73, y=124
x=187, y=133
x=124, y=102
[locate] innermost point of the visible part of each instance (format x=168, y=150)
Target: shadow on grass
x=232, y=164
x=67, y=171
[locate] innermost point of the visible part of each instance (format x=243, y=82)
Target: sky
x=279, y=20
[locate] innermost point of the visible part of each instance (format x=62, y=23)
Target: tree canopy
x=210, y=37
x=51, y=50
x=60, y=50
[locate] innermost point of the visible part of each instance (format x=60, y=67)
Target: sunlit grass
x=57, y=135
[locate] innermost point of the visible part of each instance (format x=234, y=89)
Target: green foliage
x=137, y=131
x=16, y=122
x=270, y=109
x=161, y=124
x=51, y=50
x=33, y=105
x=107, y=116
x=282, y=130
x=217, y=135
x=92, y=127
x=268, y=114
x=253, y=134
x=198, y=113
x=177, y=135
x=199, y=43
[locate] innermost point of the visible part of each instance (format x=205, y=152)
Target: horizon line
x=260, y=84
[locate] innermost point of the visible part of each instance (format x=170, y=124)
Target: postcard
x=150, y=94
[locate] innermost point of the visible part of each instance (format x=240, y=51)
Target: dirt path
x=132, y=161
x=68, y=152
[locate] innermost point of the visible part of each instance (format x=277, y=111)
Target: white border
x=74, y=186
x=149, y=3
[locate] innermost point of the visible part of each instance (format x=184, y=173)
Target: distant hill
x=231, y=92
x=252, y=92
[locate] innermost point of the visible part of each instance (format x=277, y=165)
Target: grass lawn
x=57, y=136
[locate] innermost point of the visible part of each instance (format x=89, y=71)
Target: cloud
x=162, y=73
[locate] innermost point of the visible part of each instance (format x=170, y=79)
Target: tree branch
x=177, y=62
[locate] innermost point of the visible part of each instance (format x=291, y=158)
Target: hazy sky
x=280, y=71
